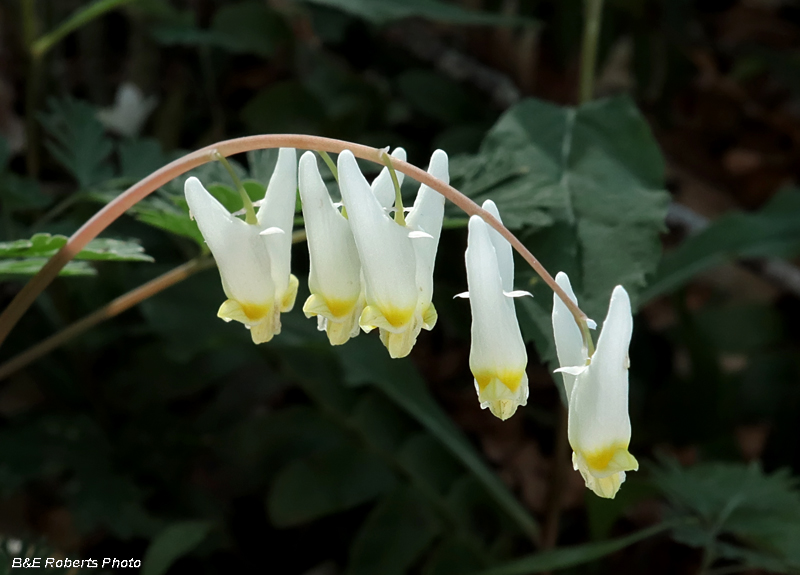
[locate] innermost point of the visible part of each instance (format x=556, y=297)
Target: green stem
x=593, y=15
x=330, y=163
x=399, y=215
x=250, y=212
x=81, y=16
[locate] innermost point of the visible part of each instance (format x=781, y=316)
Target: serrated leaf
x=385, y=11
x=586, y=184
x=173, y=543
x=78, y=141
x=396, y=532
x=773, y=231
x=326, y=483
x=31, y=266
x=759, y=512
x=46, y=245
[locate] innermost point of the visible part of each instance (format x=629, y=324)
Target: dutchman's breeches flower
x=396, y=260
x=497, y=357
x=334, y=279
x=254, y=259
x=597, y=392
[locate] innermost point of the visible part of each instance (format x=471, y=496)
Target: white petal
x=271, y=231
x=498, y=351
x=574, y=370
x=517, y=293
x=277, y=211
x=426, y=217
x=567, y=334
x=598, y=407
x=386, y=252
x=505, y=255
x=335, y=272
x=418, y=234
x=463, y=294
x=240, y=252
x=383, y=187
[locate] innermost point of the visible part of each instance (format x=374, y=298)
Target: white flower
x=334, y=279
x=396, y=260
x=497, y=357
x=254, y=260
x=129, y=112
x=597, y=391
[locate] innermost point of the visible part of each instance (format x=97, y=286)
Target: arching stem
x=114, y=209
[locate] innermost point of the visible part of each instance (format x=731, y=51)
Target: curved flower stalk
x=254, y=259
x=398, y=273
x=383, y=186
x=597, y=389
x=334, y=279
x=497, y=356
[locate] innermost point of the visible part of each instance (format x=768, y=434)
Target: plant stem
x=399, y=215
x=112, y=309
x=326, y=157
x=81, y=16
x=593, y=15
x=114, y=209
x=249, y=210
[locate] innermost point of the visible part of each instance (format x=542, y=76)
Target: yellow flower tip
x=338, y=318
x=290, y=295
x=263, y=320
x=604, y=470
x=399, y=344
x=502, y=391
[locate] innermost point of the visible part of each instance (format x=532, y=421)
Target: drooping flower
x=396, y=260
x=129, y=112
x=254, y=260
x=334, y=279
x=497, y=357
x=597, y=391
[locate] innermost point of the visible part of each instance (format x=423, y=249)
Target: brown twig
x=112, y=309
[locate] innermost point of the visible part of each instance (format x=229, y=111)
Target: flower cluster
x=371, y=267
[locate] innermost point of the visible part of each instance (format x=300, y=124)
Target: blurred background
x=165, y=435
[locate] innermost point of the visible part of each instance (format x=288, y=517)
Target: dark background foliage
x=164, y=435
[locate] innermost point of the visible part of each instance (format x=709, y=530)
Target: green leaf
x=366, y=362
x=248, y=27
x=245, y=27
x=20, y=193
x=394, y=535
x=773, y=231
x=759, y=513
x=46, y=245
x=326, y=483
x=78, y=141
x=586, y=186
x=385, y=11
x=173, y=543
x=565, y=557
x=140, y=157
x=31, y=266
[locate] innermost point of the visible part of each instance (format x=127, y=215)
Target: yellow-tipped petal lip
x=247, y=313
x=331, y=308
x=608, y=460
x=512, y=378
x=390, y=318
